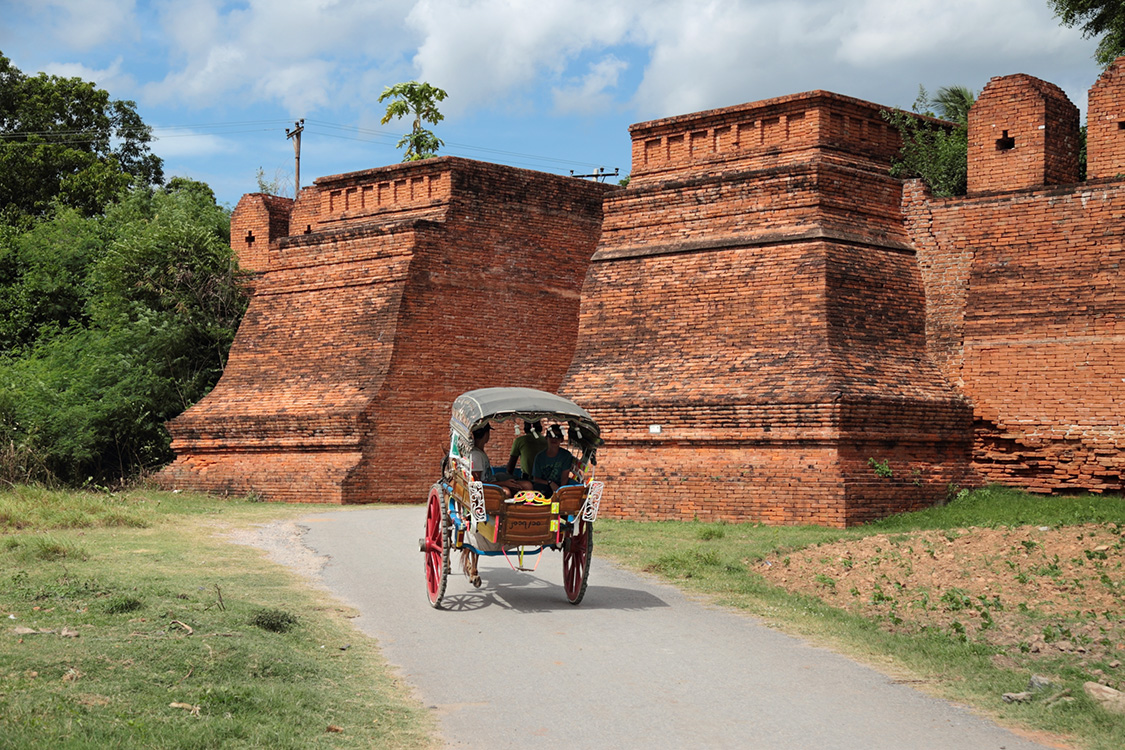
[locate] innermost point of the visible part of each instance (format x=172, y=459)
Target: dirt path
x=636, y=665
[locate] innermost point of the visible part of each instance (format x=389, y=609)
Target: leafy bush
x=936, y=152
x=154, y=297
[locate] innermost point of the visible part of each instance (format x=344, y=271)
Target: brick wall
x=1023, y=132
x=777, y=133
x=400, y=288
x=258, y=224
x=766, y=313
x=1105, y=125
x=751, y=326
x=1023, y=301
x=1035, y=328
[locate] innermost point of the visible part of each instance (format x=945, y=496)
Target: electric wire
x=77, y=137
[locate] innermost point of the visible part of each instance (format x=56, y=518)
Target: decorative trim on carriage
x=476, y=503
x=465, y=465
x=589, y=511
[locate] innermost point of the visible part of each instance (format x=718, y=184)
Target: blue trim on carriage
x=455, y=516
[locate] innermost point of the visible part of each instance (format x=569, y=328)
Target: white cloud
x=701, y=56
x=485, y=51
x=593, y=93
x=300, y=53
x=85, y=24
x=111, y=79
x=657, y=57
x=649, y=58
x=191, y=27
x=880, y=32
x=727, y=53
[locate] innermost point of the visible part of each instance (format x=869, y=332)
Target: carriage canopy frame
x=474, y=408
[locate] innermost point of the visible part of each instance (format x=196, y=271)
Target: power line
x=450, y=144
x=320, y=127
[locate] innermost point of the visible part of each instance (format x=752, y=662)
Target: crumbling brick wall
x=751, y=328
x=398, y=289
x=768, y=317
x=1024, y=301
x=1042, y=321
x=257, y=225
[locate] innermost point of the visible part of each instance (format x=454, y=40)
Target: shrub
x=273, y=620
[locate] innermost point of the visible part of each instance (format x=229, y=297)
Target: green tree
x=64, y=140
x=936, y=152
x=951, y=103
x=156, y=298
x=1105, y=18
x=419, y=100
x=43, y=274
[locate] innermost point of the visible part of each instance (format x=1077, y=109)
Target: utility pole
x=600, y=174
x=295, y=134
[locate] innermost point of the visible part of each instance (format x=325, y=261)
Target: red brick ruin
x=767, y=325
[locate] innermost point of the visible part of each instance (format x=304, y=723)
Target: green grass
x=716, y=559
x=162, y=635
x=150, y=608
x=1003, y=506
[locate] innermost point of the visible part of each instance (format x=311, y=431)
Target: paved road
x=636, y=665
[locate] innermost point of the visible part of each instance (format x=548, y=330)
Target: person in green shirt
x=526, y=447
x=552, y=467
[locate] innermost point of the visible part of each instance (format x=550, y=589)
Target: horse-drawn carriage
x=466, y=514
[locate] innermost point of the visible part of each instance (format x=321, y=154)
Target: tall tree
x=419, y=100
x=64, y=140
x=1105, y=18
x=953, y=103
x=120, y=322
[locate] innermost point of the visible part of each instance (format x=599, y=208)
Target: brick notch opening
x=1005, y=143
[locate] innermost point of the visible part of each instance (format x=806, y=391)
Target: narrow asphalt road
x=636, y=665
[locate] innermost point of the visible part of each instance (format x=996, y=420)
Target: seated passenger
x=526, y=447
x=482, y=467
x=482, y=472
x=552, y=467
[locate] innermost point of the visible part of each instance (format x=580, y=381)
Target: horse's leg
x=474, y=576
x=469, y=565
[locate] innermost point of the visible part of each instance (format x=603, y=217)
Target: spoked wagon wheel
x=435, y=546
x=576, y=560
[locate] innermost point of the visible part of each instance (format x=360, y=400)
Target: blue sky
x=551, y=85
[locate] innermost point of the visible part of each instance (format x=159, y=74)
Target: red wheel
x=576, y=560
x=435, y=547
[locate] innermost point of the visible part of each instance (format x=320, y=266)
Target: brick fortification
x=751, y=332
x=770, y=327
x=1024, y=285
x=379, y=297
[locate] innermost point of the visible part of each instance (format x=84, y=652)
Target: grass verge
x=126, y=622
x=721, y=561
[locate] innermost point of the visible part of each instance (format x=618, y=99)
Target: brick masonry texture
x=1023, y=132
x=1105, y=125
x=390, y=292
x=1024, y=308
x=757, y=318
x=1033, y=329
x=757, y=301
